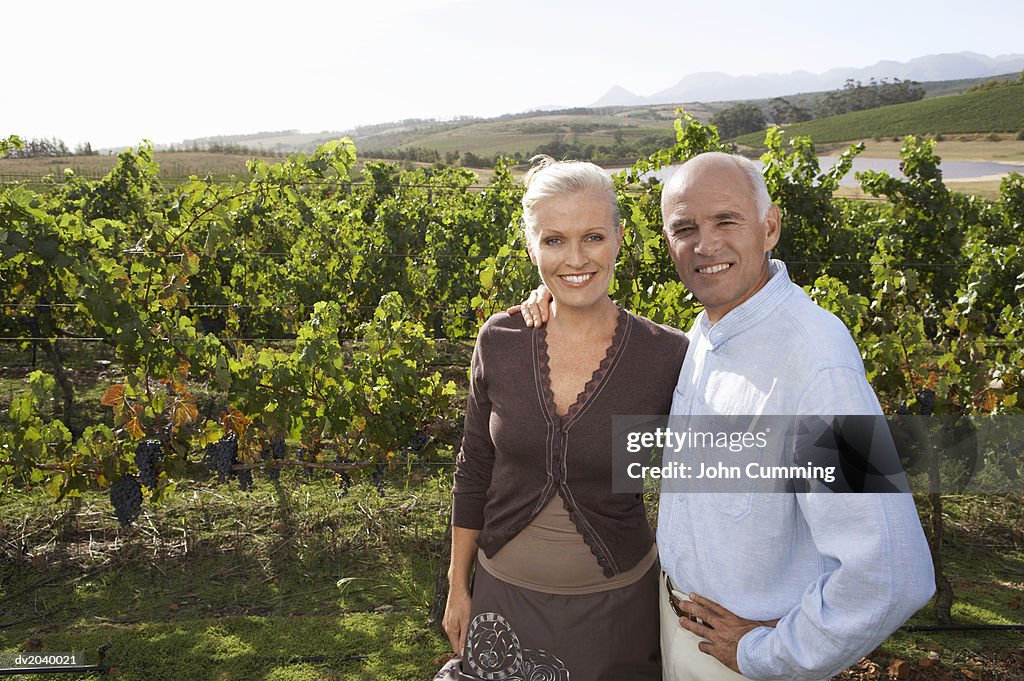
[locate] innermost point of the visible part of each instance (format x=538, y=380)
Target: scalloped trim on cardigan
x=595, y=378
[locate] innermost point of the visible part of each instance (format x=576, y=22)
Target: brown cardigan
x=517, y=453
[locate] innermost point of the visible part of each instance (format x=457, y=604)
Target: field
x=174, y=165
x=307, y=581
x=999, y=110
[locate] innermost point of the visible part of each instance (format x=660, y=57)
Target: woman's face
x=574, y=244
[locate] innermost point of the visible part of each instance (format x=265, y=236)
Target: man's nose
x=708, y=243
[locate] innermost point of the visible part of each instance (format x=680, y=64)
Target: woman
x=565, y=584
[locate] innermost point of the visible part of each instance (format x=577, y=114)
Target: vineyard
x=311, y=322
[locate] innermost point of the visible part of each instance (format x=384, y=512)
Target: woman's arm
x=474, y=465
x=456, y=611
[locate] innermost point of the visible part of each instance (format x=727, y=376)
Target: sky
x=114, y=72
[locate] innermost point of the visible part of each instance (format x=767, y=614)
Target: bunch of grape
x=245, y=479
x=378, y=477
x=419, y=441
x=221, y=456
x=344, y=479
x=126, y=498
x=303, y=455
x=925, y=401
x=277, y=452
x=147, y=456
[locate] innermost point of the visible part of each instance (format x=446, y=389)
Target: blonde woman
x=554, y=576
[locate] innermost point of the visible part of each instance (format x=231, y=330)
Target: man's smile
x=714, y=269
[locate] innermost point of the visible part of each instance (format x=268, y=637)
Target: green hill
x=998, y=109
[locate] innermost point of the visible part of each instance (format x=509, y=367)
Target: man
x=783, y=585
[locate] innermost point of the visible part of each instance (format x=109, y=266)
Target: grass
x=220, y=584
x=303, y=582
x=998, y=110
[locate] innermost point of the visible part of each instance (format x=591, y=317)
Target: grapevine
x=314, y=303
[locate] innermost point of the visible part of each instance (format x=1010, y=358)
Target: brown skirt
x=517, y=634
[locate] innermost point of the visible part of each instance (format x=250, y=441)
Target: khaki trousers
x=680, y=658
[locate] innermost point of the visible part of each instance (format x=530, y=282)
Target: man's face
x=717, y=242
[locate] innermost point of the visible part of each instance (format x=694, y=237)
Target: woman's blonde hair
x=548, y=178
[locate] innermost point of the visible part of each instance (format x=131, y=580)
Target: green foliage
x=804, y=196
x=9, y=144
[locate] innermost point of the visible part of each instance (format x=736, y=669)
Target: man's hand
x=722, y=629
x=456, y=618
x=535, y=308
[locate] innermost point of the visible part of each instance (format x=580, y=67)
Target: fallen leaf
x=899, y=669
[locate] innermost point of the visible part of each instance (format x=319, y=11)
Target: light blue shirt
x=842, y=571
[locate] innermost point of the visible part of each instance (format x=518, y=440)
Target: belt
x=675, y=598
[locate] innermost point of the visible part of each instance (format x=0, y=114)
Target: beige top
x=550, y=555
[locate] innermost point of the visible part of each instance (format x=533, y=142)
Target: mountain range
x=712, y=86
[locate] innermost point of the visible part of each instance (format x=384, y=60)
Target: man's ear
x=773, y=227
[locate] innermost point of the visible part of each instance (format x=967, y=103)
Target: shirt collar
x=752, y=311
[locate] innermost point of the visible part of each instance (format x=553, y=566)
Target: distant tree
x=739, y=120
x=855, y=96
x=39, y=148
x=783, y=112
x=471, y=160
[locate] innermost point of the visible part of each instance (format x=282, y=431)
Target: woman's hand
x=456, y=618
x=535, y=308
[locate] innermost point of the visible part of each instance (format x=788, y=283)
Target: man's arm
x=878, y=570
x=884, y=575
